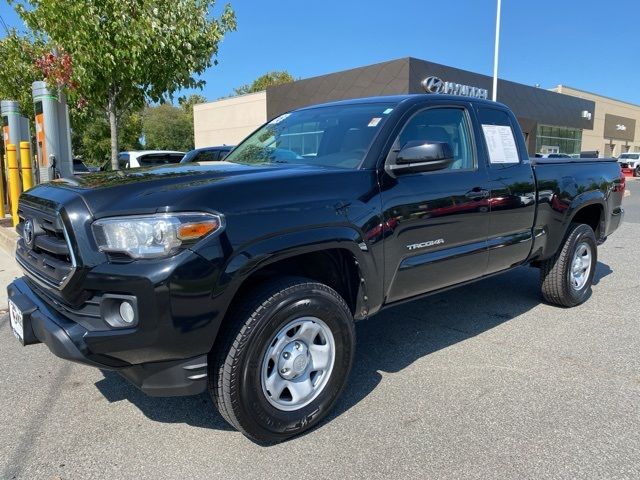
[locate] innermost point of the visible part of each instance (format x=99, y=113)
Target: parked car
x=553, y=155
x=207, y=154
x=631, y=161
x=79, y=168
x=245, y=276
x=148, y=158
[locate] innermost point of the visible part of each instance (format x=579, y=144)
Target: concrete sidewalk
x=8, y=267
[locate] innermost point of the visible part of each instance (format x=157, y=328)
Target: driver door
x=439, y=219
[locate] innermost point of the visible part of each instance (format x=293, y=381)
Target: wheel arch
x=342, y=249
x=588, y=208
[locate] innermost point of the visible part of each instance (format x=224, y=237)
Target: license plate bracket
x=16, y=318
x=21, y=309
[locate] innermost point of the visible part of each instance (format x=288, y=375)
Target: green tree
x=166, y=127
x=90, y=134
x=190, y=101
x=18, y=70
x=125, y=51
x=269, y=79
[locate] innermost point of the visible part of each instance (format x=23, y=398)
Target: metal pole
x=495, y=55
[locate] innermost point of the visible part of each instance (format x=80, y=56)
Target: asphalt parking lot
x=480, y=382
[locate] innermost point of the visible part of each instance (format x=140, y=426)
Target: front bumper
x=71, y=341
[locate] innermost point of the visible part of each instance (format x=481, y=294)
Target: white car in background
x=148, y=158
x=630, y=160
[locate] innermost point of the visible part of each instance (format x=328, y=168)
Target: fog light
x=127, y=313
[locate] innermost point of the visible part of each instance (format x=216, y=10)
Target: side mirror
x=422, y=156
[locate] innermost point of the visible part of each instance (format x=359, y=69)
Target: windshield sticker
x=279, y=119
x=387, y=111
x=374, y=122
x=501, y=144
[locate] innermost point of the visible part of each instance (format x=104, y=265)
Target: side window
x=448, y=125
x=123, y=160
x=500, y=137
x=207, y=156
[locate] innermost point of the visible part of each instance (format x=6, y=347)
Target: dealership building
x=561, y=120
x=616, y=124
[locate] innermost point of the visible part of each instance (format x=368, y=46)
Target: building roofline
x=596, y=94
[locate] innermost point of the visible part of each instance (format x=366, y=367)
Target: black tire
x=555, y=279
x=235, y=363
x=636, y=172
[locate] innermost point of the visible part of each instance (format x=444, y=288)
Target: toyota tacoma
x=245, y=276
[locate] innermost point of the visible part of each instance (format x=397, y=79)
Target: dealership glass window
x=553, y=139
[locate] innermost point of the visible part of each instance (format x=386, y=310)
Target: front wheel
x=566, y=278
x=283, y=359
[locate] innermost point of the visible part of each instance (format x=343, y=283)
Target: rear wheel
x=283, y=359
x=566, y=277
x=636, y=172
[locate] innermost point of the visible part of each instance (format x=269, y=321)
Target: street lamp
x=495, y=55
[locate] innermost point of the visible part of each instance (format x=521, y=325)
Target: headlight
x=153, y=236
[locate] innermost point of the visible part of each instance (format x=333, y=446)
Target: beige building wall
x=595, y=139
x=230, y=120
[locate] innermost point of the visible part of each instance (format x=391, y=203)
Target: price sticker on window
x=501, y=144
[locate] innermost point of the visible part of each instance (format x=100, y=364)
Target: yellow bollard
x=4, y=162
x=25, y=161
x=14, y=181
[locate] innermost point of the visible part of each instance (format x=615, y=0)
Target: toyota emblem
x=29, y=233
x=433, y=85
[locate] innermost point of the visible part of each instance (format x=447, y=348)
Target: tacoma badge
x=430, y=243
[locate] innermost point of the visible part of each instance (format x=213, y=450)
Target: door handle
x=477, y=194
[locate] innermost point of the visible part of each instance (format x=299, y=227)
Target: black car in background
x=207, y=154
x=80, y=168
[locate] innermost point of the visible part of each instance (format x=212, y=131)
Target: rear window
x=152, y=159
x=500, y=137
x=630, y=156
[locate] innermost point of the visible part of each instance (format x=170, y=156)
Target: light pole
x=494, y=94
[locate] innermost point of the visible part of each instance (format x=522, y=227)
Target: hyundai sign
x=436, y=85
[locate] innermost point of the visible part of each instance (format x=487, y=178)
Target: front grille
x=48, y=257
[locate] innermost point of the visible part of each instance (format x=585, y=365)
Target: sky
x=589, y=45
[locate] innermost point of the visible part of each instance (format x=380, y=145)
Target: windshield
x=335, y=136
x=630, y=156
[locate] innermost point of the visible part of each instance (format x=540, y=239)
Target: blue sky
x=585, y=44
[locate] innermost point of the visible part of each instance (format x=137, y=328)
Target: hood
x=178, y=174
x=182, y=187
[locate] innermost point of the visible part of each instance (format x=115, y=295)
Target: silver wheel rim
x=580, y=266
x=298, y=363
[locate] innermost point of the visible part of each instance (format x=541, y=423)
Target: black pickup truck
x=245, y=276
